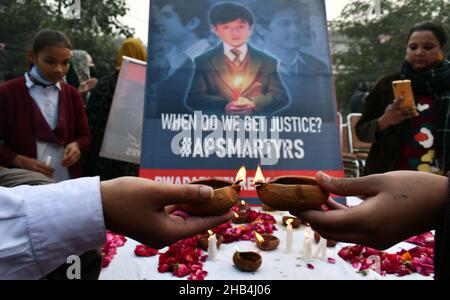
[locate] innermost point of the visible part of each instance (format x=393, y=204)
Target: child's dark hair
x=438, y=31
x=46, y=38
x=226, y=12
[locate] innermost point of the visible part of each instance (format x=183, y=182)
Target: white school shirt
x=243, y=49
x=40, y=226
x=47, y=99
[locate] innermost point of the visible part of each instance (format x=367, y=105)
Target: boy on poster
x=235, y=78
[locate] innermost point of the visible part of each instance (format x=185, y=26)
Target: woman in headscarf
x=84, y=67
x=98, y=109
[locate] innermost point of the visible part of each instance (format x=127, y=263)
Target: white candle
x=307, y=246
x=212, y=248
x=48, y=161
x=289, y=238
x=321, y=250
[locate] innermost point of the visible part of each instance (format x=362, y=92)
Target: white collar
x=29, y=83
x=227, y=49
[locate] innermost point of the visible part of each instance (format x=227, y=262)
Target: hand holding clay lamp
x=266, y=242
x=290, y=193
x=203, y=240
x=226, y=194
x=247, y=261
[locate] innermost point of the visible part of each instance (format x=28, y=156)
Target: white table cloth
x=276, y=265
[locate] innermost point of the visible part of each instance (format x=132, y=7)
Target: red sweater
x=18, y=132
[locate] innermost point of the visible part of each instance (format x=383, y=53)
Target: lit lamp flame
x=259, y=237
x=242, y=202
x=237, y=82
x=289, y=221
x=241, y=175
x=210, y=232
x=259, y=177
x=237, y=87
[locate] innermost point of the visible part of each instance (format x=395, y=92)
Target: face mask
x=92, y=72
x=38, y=76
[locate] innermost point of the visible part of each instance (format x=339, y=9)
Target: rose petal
x=145, y=251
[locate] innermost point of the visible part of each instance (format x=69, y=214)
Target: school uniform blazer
x=212, y=86
x=18, y=133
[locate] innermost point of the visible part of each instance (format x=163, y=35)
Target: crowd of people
x=52, y=122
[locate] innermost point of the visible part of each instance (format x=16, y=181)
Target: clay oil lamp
x=295, y=222
x=242, y=213
x=247, y=261
x=266, y=242
x=226, y=195
x=203, y=240
x=330, y=243
x=290, y=193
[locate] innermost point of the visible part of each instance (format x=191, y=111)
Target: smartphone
x=402, y=88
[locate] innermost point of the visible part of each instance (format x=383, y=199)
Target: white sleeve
x=40, y=226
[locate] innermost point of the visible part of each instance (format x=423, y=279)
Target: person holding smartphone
x=412, y=137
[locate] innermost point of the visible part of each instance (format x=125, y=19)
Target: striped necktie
x=237, y=54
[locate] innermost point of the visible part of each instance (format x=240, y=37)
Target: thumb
x=348, y=186
x=185, y=194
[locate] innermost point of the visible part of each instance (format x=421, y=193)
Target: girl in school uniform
x=43, y=126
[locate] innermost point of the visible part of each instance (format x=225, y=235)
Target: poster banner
x=234, y=83
x=123, y=133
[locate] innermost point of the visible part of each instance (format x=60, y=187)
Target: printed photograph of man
x=184, y=26
x=308, y=79
x=234, y=77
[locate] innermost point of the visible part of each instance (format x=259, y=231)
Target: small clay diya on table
x=203, y=241
x=247, y=261
x=266, y=242
x=296, y=222
x=242, y=213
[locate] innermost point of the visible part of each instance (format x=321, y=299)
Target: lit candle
x=321, y=251
x=212, y=247
x=289, y=239
x=242, y=215
x=307, y=246
x=48, y=161
x=237, y=88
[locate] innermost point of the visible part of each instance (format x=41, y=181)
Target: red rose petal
x=109, y=249
x=145, y=251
